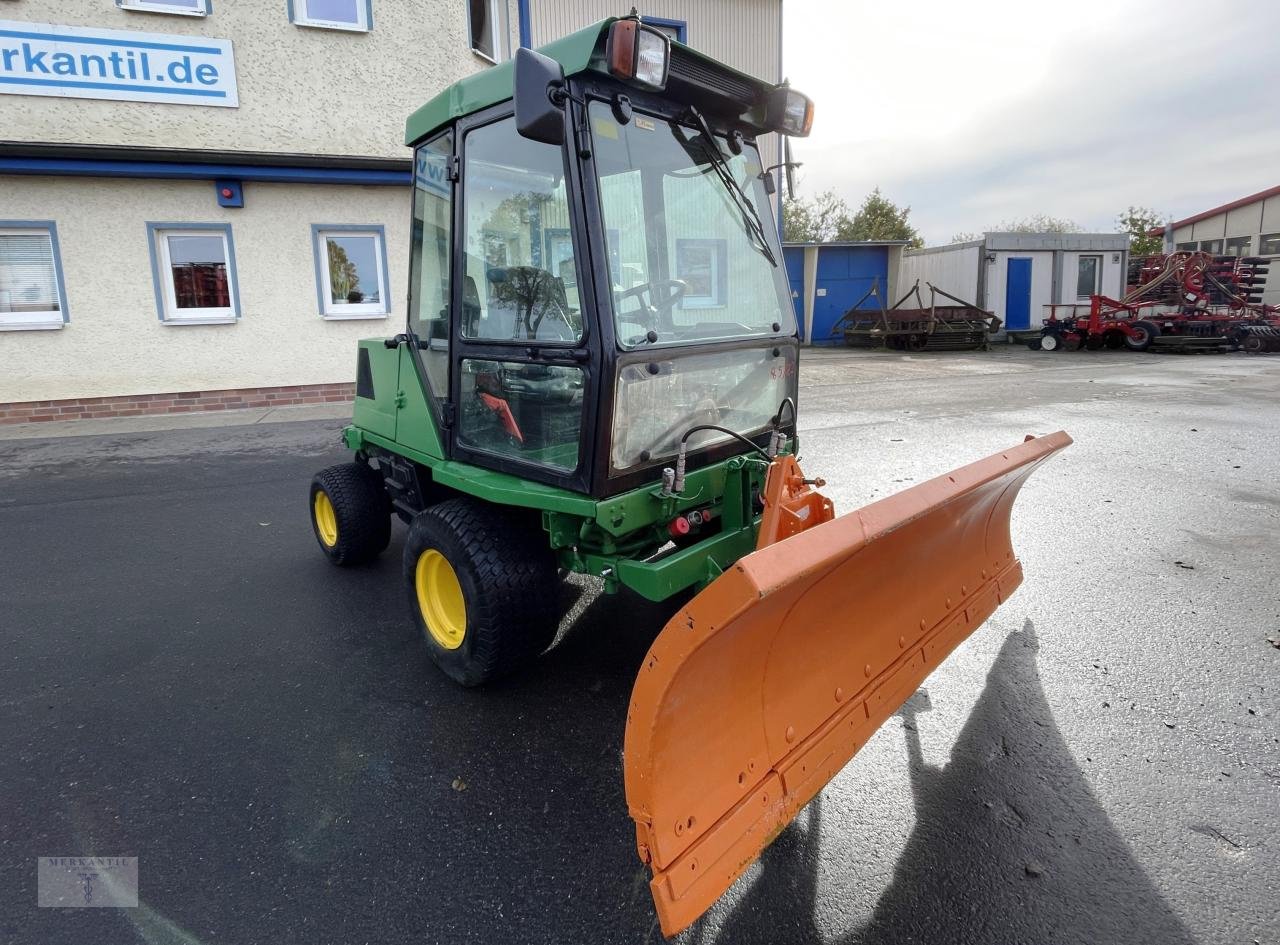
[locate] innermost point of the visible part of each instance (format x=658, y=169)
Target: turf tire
x=362, y=510
x=510, y=586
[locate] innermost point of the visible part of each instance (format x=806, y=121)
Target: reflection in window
x=1239, y=245
x=484, y=17
x=429, y=260
x=701, y=265
x=1211, y=246
x=529, y=412
x=352, y=272
x=333, y=14
x=520, y=268
x=194, y=272
x=1270, y=244
x=1087, y=276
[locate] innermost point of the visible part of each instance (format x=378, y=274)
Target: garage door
x=845, y=273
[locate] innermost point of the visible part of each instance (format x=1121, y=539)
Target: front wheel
x=1050, y=342
x=483, y=588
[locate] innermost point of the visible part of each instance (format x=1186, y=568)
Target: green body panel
x=416, y=428
x=377, y=414
x=576, y=53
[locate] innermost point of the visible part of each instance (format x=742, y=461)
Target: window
x=1087, y=276
x=529, y=412
x=429, y=261
x=351, y=271
x=193, y=267
x=1270, y=244
x=31, y=290
x=183, y=7
x=1211, y=246
x=676, y=30
x=1238, y=245
x=687, y=261
x=354, y=15
x=485, y=22
x=520, y=272
x=1186, y=247
x=701, y=266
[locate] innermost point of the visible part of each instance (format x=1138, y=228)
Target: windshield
x=689, y=260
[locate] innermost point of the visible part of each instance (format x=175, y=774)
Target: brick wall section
x=91, y=408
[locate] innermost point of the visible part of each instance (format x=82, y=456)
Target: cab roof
x=693, y=77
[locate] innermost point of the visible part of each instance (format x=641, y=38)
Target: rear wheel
x=1254, y=343
x=482, y=587
x=350, y=513
x=1141, y=336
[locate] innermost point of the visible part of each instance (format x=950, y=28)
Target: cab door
x=522, y=385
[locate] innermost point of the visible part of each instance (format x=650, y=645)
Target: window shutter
x=28, y=282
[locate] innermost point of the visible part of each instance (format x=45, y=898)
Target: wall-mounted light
x=1115, y=257
x=991, y=257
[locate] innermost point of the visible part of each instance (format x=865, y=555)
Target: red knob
x=679, y=526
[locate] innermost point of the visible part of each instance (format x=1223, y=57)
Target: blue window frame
x=352, y=15
x=33, y=294
x=193, y=272
x=351, y=270
x=676, y=29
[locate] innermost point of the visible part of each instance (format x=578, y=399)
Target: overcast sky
x=981, y=112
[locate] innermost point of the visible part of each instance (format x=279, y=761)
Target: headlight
x=789, y=112
x=638, y=53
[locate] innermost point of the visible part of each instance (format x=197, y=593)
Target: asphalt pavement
x=185, y=679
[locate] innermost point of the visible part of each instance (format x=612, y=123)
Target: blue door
x=1017, y=294
x=845, y=273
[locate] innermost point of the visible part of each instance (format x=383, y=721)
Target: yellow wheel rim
x=440, y=599
x=326, y=519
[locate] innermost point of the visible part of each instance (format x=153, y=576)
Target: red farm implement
x=1183, y=301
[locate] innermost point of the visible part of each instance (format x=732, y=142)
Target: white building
x=1249, y=226
x=206, y=204
x=1019, y=275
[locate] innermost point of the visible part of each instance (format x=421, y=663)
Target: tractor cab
x=595, y=261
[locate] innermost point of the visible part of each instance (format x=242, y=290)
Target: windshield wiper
x=750, y=218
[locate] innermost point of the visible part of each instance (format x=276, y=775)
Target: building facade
x=1249, y=226
x=205, y=204
x=1018, y=276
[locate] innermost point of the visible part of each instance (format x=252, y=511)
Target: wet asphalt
x=185, y=679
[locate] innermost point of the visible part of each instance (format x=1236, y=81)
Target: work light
x=638, y=53
x=789, y=112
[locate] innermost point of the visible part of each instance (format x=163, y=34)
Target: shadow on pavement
x=1009, y=845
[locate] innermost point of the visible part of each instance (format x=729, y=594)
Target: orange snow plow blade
x=763, y=687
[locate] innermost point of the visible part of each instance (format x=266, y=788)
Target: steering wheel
x=674, y=290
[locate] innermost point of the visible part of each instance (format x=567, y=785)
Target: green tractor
x=599, y=375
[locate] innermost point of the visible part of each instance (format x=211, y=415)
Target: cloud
x=976, y=115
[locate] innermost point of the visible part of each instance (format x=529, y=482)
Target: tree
x=965, y=237
x=343, y=277
x=815, y=220
x=879, y=218
x=1138, y=222
x=1041, y=223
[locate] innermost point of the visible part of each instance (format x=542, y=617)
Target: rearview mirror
x=538, y=115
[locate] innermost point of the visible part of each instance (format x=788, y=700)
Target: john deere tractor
x=599, y=375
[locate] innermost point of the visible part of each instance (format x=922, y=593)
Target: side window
x=530, y=412
x=484, y=21
x=429, y=260
x=520, y=268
